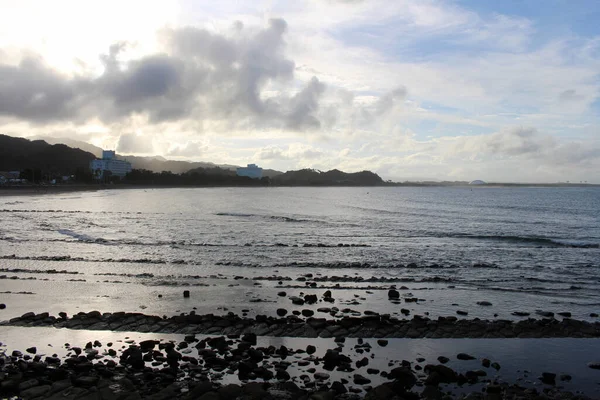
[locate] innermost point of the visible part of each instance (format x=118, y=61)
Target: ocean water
x=520, y=248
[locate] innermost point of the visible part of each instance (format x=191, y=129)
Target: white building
x=252, y=170
x=108, y=162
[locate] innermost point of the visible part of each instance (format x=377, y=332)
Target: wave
x=542, y=241
x=271, y=217
x=78, y=236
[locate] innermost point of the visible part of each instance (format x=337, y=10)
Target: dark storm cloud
x=201, y=75
x=34, y=92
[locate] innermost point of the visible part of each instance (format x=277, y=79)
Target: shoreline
x=56, y=189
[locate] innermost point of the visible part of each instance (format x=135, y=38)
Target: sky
x=410, y=89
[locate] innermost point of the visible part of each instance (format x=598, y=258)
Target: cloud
x=131, y=143
x=190, y=149
x=244, y=77
x=33, y=91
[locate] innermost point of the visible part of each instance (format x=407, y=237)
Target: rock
x=440, y=374
x=443, y=359
x=484, y=303
x=281, y=312
x=31, y=350
x=62, y=315
x=2, y=306
x=460, y=312
x=548, y=378
x=35, y=392
x=297, y=300
x=321, y=376
x=496, y=366
x=393, y=294
x=547, y=314
x=382, y=342
x=308, y=313
x=432, y=392
x=565, y=314
x=322, y=395
x=520, y=314
x=231, y=391
x=200, y=389
x=594, y=365
x=464, y=356
x=338, y=387
x=311, y=298
x=327, y=294
x=565, y=378
x=403, y=376
x=86, y=381
x=594, y=315
x=360, y=380
x=310, y=349
x=485, y=363
x=186, y=294
x=281, y=294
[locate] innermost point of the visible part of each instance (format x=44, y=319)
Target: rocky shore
x=373, y=325
x=235, y=367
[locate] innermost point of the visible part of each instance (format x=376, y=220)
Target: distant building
x=109, y=163
x=252, y=170
x=477, y=182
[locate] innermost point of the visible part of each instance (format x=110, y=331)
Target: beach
x=220, y=293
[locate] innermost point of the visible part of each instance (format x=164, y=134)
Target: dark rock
x=360, y=380
x=594, y=315
x=231, y=391
x=2, y=306
x=403, y=376
x=485, y=363
x=565, y=378
x=547, y=314
x=281, y=312
x=565, y=314
x=382, y=342
x=548, y=378
x=460, y=312
x=443, y=359
x=520, y=314
x=31, y=350
x=186, y=294
x=594, y=365
x=311, y=298
x=327, y=294
x=484, y=303
x=496, y=366
x=440, y=374
x=282, y=294
x=308, y=313
x=393, y=294
x=310, y=349
x=35, y=392
x=86, y=381
x=338, y=387
x=464, y=356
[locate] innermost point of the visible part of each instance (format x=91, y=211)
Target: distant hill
x=311, y=177
x=17, y=154
x=151, y=163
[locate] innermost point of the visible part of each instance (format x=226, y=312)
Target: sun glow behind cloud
x=409, y=89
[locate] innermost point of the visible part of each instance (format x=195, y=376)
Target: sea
x=520, y=248
x=524, y=251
